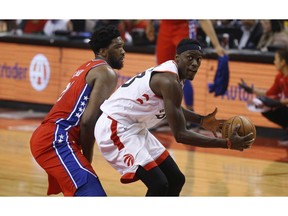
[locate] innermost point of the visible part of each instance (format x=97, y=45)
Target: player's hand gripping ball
x=246, y=126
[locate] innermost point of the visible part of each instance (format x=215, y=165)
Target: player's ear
x=103, y=52
x=177, y=58
x=283, y=62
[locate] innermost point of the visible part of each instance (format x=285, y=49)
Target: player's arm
x=209, y=122
x=209, y=30
x=191, y=116
x=168, y=87
x=259, y=92
x=251, y=89
x=103, y=80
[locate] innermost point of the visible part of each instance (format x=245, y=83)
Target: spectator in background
x=90, y=25
x=82, y=29
x=251, y=33
x=227, y=23
x=3, y=26
x=142, y=32
x=32, y=26
x=8, y=25
x=83, y=25
x=273, y=35
x=276, y=97
x=78, y=25
x=52, y=26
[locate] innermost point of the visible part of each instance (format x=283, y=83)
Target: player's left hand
x=270, y=102
x=245, y=87
x=212, y=124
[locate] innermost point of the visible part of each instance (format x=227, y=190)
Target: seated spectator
x=142, y=32
x=53, y=26
x=273, y=35
x=276, y=97
x=7, y=25
x=251, y=34
x=90, y=25
x=227, y=23
x=82, y=29
x=3, y=26
x=83, y=25
x=78, y=25
x=32, y=26
x=228, y=33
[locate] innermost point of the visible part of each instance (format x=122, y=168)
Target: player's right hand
x=209, y=122
x=240, y=142
x=245, y=87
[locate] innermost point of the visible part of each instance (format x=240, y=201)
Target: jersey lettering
x=65, y=90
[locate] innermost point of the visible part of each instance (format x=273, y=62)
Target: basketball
x=246, y=126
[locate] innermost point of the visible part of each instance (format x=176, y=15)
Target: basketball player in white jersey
x=122, y=130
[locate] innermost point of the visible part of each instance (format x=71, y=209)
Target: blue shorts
x=93, y=187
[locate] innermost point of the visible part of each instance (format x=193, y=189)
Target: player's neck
x=100, y=57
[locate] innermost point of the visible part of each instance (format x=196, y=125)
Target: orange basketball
x=246, y=126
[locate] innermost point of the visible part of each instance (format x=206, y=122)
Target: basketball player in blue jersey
x=143, y=101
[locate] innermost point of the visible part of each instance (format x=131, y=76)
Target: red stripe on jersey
x=150, y=165
x=114, y=137
x=128, y=178
x=157, y=162
x=162, y=157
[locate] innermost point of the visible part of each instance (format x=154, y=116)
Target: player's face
x=279, y=64
x=189, y=63
x=116, y=53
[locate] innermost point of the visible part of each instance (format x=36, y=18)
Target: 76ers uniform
x=121, y=131
x=55, y=143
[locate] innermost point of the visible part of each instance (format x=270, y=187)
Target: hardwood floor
x=259, y=171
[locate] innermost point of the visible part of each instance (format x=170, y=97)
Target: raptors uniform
x=121, y=132
x=171, y=32
x=55, y=143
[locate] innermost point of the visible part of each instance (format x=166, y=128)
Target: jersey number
x=132, y=80
x=65, y=90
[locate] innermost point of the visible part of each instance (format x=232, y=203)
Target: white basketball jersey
x=135, y=102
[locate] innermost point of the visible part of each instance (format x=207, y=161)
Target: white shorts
x=125, y=148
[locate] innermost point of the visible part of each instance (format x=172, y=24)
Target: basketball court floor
x=261, y=171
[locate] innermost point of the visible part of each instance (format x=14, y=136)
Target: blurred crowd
x=263, y=35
